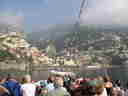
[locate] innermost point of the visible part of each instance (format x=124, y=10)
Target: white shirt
x=50, y=87
x=28, y=89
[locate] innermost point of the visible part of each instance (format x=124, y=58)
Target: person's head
x=26, y=79
x=44, y=91
x=10, y=76
x=51, y=79
x=2, y=79
x=115, y=92
x=100, y=78
x=107, y=79
x=93, y=87
x=59, y=82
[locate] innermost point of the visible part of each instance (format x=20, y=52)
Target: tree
x=4, y=55
x=51, y=50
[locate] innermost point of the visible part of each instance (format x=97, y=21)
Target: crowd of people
x=58, y=85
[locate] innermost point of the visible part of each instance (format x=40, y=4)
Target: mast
x=83, y=5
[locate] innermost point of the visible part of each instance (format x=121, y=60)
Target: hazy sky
x=36, y=14
x=40, y=13
x=106, y=12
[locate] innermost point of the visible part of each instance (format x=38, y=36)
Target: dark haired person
x=94, y=88
x=50, y=82
x=12, y=86
x=59, y=90
x=28, y=88
x=108, y=84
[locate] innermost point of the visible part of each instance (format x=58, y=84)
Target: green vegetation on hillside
x=5, y=55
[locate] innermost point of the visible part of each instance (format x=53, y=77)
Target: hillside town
x=15, y=44
x=95, y=51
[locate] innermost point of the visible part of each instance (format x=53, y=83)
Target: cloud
x=105, y=12
x=11, y=19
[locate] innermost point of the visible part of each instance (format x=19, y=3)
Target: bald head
x=27, y=78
